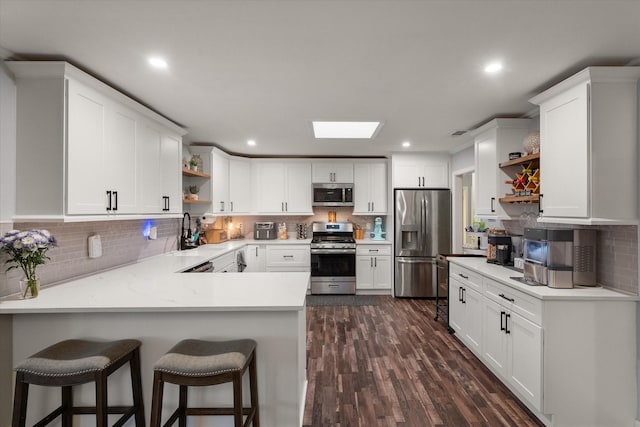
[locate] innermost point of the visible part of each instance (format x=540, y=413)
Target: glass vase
x=29, y=288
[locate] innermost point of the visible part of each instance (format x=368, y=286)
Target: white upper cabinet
x=428, y=170
x=283, y=187
x=90, y=149
x=171, y=155
x=588, y=147
x=240, y=200
x=330, y=171
x=220, y=181
x=370, y=188
x=493, y=142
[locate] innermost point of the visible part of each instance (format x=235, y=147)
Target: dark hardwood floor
x=393, y=365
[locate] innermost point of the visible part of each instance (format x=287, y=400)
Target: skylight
x=345, y=130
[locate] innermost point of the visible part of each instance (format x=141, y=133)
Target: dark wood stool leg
x=253, y=383
x=67, y=406
x=237, y=399
x=182, y=419
x=136, y=387
x=20, y=401
x=101, y=399
x=156, y=399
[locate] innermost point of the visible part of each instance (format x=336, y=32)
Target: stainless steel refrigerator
x=422, y=230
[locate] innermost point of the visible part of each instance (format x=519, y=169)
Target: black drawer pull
x=508, y=299
x=502, y=319
x=463, y=276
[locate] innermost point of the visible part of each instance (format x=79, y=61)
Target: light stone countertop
x=504, y=274
x=156, y=284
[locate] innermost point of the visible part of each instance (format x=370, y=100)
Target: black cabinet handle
x=108, y=200
x=463, y=276
x=168, y=203
x=507, y=316
x=115, y=196
x=493, y=200
x=375, y=262
x=464, y=291
x=502, y=320
x=286, y=206
x=540, y=210
x=460, y=294
x=371, y=262
x=508, y=299
x=231, y=206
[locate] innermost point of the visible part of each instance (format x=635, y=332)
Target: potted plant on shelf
x=27, y=250
x=194, y=190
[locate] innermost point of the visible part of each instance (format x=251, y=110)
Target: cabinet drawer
x=288, y=256
x=466, y=277
x=222, y=262
x=518, y=302
x=372, y=250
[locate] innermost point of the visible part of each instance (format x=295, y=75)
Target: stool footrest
x=52, y=416
x=215, y=411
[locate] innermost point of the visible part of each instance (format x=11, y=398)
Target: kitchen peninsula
x=155, y=303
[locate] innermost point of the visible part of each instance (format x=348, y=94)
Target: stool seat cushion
x=203, y=358
x=75, y=357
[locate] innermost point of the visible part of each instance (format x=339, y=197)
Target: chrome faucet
x=184, y=239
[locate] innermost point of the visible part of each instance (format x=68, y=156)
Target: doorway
x=463, y=206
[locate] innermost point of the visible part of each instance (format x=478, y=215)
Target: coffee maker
x=499, y=249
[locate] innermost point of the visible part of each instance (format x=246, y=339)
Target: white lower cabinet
x=465, y=308
x=255, y=256
x=373, y=267
x=512, y=348
x=288, y=257
x=568, y=355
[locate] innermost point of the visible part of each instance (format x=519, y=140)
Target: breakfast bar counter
x=155, y=303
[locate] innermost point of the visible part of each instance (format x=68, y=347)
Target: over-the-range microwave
x=333, y=194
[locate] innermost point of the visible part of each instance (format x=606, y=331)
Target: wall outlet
x=95, y=246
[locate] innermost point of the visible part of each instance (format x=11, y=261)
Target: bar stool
x=74, y=362
x=205, y=363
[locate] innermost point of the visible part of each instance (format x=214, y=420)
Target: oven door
x=333, y=262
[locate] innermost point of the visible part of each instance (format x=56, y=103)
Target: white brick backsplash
x=122, y=243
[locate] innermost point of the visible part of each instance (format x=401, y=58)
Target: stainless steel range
x=333, y=258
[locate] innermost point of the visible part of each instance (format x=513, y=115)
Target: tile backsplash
x=616, y=252
x=122, y=243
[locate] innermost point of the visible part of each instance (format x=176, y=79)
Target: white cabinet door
x=149, y=172
x=382, y=272
x=220, y=182
x=564, y=149
x=171, y=153
x=420, y=171
x=240, y=186
x=473, y=303
x=525, y=358
x=370, y=188
x=120, y=161
x=86, y=186
x=283, y=187
x=332, y=172
x=486, y=173
x=495, y=339
x=364, y=272
x=298, y=188
x=465, y=314
x=256, y=259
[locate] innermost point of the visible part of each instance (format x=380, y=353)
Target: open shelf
x=196, y=202
x=189, y=172
x=534, y=198
x=521, y=160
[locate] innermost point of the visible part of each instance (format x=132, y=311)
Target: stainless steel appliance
x=205, y=267
x=333, y=258
x=332, y=194
x=560, y=258
x=422, y=230
x=265, y=231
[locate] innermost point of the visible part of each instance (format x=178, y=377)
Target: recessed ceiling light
x=158, y=62
x=406, y=144
x=345, y=130
x=493, y=67
x=251, y=142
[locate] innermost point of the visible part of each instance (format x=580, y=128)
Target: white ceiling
x=262, y=70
